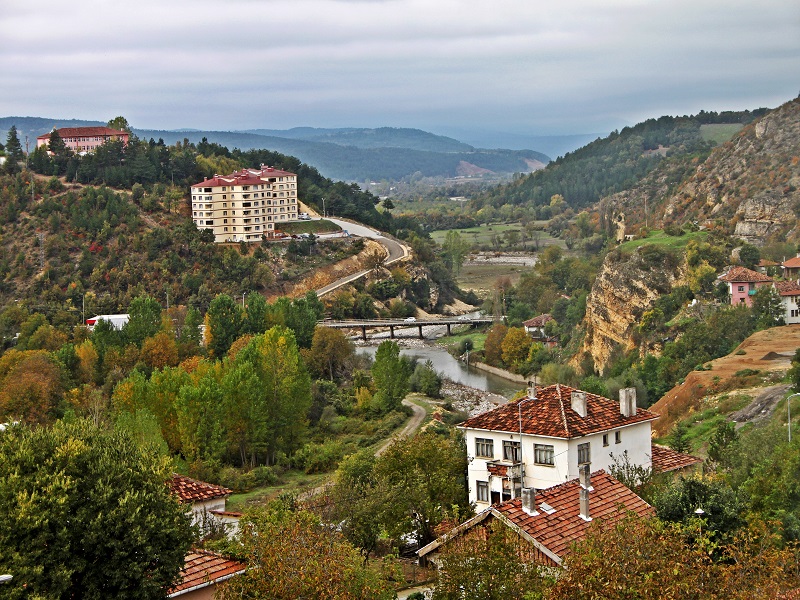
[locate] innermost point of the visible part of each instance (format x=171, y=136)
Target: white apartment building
x=541, y=440
x=245, y=205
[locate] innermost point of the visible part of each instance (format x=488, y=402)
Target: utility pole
x=324, y=214
x=27, y=153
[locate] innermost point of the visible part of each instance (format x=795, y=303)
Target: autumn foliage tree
x=291, y=554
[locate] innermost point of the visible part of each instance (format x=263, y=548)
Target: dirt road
x=768, y=351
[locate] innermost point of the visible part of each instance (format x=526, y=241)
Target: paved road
x=395, y=251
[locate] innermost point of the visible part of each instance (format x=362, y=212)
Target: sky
x=525, y=67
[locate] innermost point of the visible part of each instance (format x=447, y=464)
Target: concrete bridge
x=392, y=324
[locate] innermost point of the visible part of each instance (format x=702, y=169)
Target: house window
x=511, y=451
x=741, y=288
x=482, y=489
x=617, y=437
x=605, y=439
x=484, y=447
x=543, y=454
x=584, y=454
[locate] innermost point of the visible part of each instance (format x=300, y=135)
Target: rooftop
x=192, y=490
x=666, y=459
x=788, y=288
x=202, y=568
x=550, y=414
x=792, y=263
x=743, y=275
x=558, y=523
x=244, y=177
x=539, y=321
x=68, y=132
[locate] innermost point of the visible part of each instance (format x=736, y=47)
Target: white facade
x=246, y=205
x=791, y=308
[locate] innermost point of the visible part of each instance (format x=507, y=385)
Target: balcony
x=505, y=468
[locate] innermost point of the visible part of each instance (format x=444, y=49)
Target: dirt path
x=762, y=406
x=768, y=351
x=411, y=427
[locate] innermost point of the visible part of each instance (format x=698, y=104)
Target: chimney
x=627, y=402
x=579, y=403
x=585, y=479
x=532, y=390
x=529, y=501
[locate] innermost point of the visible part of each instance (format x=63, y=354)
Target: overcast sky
x=525, y=66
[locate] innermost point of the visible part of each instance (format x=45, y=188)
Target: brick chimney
x=578, y=400
x=585, y=479
x=627, y=402
x=529, y=501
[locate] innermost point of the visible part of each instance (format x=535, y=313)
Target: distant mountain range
x=350, y=154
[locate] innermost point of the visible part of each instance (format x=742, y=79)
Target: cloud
x=511, y=64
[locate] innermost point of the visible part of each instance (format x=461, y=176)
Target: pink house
x=82, y=140
x=743, y=283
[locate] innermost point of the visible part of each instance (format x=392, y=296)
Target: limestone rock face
x=763, y=216
x=625, y=288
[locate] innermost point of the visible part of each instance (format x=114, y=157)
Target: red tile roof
x=788, y=288
x=191, y=490
x=666, y=459
x=743, y=275
x=550, y=414
x=792, y=263
x=766, y=263
x=68, y=132
x=539, y=321
x=554, y=531
x=202, y=568
x=244, y=177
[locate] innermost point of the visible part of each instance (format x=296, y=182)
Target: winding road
x=394, y=250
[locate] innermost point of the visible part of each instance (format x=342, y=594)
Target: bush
x=319, y=458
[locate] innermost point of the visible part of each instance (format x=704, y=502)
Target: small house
x=743, y=283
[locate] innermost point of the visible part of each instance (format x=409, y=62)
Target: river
x=455, y=370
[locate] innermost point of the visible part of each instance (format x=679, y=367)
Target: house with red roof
x=542, y=440
x=201, y=573
x=791, y=268
x=554, y=519
x=208, y=502
x=743, y=283
x=84, y=140
x=789, y=291
x=246, y=205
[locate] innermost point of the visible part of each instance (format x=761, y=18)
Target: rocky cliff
x=625, y=288
x=749, y=186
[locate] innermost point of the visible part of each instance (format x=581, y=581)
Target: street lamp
x=789, y=414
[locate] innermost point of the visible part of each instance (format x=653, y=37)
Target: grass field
x=659, y=238
x=482, y=235
x=719, y=133
x=481, y=278
x=318, y=226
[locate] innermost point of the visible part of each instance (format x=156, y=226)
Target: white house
x=541, y=440
x=790, y=299
x=208, y=504
x=118, y=321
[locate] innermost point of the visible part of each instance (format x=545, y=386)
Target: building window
x=484, y=448
x=543, y=454
x=511, y=451
x=617, y=437
x=584, y=454
x=605, y=439
x=741, y=288
x=482, y=489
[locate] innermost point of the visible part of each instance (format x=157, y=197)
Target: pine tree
x=14, y=154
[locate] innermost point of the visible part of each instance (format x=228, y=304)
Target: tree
x=144, y=320
x=487, y=567
x=678, y=438
x=455, y=250
x=30, y=386
x=749, y=256
x=14, y=154
x=330, y=352
x=120, y=124
x=767, y=307
x=61, y=153
x=492, y=347
x=390, y=372
x=87, y=514
x=224, y=324
x=515, y=346
x=291, y=554
x=425, y=479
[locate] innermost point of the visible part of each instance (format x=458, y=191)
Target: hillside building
x=743, y=283
x=245, y=205
x=84, y=140
x=544, y=438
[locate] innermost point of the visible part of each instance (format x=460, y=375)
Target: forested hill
x=344, y=154
x=620, y=160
